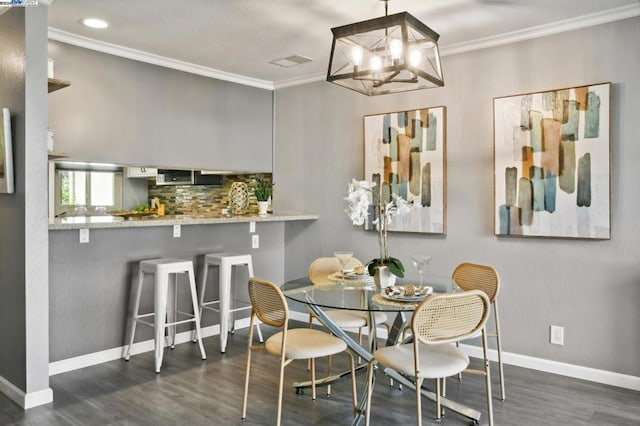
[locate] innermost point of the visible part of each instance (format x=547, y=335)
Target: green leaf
x=395, y=267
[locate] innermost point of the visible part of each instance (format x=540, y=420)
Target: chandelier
x=390, y=54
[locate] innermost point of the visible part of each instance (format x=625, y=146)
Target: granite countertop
x=94, y=222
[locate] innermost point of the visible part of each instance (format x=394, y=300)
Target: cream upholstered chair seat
x=304, y=343
x=439, y=361
x=354, y=319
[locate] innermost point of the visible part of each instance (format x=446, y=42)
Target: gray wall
x=23, y=218
x=12, y=243
x=91, y=283
x=592, y=288
x=123, y=111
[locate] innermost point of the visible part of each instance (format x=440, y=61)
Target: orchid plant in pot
x=361, y=195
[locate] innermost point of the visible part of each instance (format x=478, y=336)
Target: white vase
x=383, y=277
x=263, y=206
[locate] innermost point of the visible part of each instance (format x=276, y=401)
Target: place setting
x=407, y=293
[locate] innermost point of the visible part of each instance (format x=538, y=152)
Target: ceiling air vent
x=291, y=61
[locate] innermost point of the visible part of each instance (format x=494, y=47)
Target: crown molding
x=557, y=27
x=150, y=58
x=297, y=81
x=584, y=21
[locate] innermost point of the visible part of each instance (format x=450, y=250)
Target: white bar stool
x=225, y=262
x=165, y=310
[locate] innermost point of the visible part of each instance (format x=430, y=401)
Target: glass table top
x=356, y=296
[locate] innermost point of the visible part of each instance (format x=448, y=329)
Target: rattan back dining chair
x=437, y=321
x=268, y=304
x=472, y=276
x=319, y=272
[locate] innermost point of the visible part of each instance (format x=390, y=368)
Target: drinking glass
x=420, y=262
x=344, y=257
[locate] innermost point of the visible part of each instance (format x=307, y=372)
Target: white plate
x=356, y=276
x=402, y=298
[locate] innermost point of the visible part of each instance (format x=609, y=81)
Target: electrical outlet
x=176, y=231
x=556, y=335
x=255, y=241
x=84, y=235
x=252, y=227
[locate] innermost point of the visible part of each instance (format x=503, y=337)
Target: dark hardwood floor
x=189, y=391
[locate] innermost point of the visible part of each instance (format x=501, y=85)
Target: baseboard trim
x=23, y=399
x=82, y=361
x=561, y=368
x=540, y=364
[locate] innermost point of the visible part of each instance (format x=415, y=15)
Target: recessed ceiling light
x=95, y=23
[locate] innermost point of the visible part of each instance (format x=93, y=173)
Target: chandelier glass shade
x=393, y=53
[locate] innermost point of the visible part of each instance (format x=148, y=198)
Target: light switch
x=176, y=231
x=252, y=227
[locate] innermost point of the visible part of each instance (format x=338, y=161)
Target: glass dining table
x=364, y=296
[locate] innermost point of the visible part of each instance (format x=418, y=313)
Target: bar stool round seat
x=225, y=263
x=165, y=312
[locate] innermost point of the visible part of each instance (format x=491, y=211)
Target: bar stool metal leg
x=225, y=292
x=160, y=313
x=196, y=314
x=134, y=317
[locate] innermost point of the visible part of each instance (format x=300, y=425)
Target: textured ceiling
x=242, y=36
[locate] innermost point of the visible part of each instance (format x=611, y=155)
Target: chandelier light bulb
x=414, y=57
x=375, y=63
x=356, y=56
x=396, y=49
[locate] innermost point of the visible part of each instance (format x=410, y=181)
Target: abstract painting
x=405, y=153
x=6, y=152
x=552, y=163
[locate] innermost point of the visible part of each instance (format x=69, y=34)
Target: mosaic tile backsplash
x=204, y=199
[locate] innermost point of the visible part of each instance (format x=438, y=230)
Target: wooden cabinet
x=141, y=172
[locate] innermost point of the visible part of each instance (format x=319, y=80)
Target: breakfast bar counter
x=92, y=274
x=106, y=221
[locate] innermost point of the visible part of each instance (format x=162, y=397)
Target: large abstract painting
x=552, y=163
x=405, y=153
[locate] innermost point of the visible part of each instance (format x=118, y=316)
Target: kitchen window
x=84, y=189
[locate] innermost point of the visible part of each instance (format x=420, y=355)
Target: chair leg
x=329, y=365
x=203, y=288
x=444, y=392
x=487, y=372
x=196, y=311
x=313, y=379
x=172, y=304
x=369, y=391
x=360, y=343
x=503, y=394
x=280, y=385
x=460, y=373
x=310, y=326
x=225, y=294
x=159, y=317
x=246, y=376
x=134, y=318
x=354, y=392
x=419, y=401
